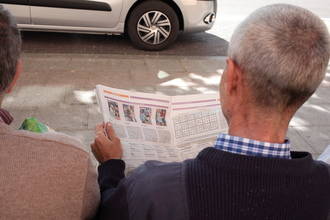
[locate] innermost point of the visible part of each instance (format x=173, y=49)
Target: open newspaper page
x=197, y=120
x=142, y=121
x=159, y=127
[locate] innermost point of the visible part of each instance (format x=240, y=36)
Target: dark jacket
x=217, y=185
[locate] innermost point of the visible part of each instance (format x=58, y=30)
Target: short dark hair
x=10, y=48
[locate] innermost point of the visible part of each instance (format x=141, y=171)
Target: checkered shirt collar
x=250, y=147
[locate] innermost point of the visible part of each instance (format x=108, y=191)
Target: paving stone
x=195, y=66
x=20, y=114
x=63, y=116
x=298, y=142
x=214, y=64
x=35, y=96
x=80, y=96
x=44, y=63
x=153, y=79
x=201, y=66
x=187, y=85
x=321, y=96
x=138, y=66
x=28, y=78
x=167, y=65
x=312, y=115
x=70, y=77
x=326, y=81
x=116, y=79
x=317, y=136
x=122, y=65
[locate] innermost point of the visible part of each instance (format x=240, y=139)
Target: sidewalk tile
x=298, y=143
x=19, y=116
x=167, y=65
x=45, y=64
x=117, y=79
x=63, y=116
x=312, y=115
x=35, y=96
x=317, y=136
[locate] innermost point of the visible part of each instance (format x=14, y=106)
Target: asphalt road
x=212, y=43
x=200, y=44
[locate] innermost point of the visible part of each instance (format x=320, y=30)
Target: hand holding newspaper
x=159, y=127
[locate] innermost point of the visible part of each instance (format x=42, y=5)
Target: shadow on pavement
x=200, y=44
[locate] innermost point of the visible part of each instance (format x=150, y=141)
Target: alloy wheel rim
x=154, y=27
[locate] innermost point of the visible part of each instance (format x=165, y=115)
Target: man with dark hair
x=42, y=176
x=277, y=58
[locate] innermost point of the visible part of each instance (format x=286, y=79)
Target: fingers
x=102, y=141
x=100, y=133
x=107, y=129
x=99, y=128
x=110, y=131
x=106, y=145
x=96, y=152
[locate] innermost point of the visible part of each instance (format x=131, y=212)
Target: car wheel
x=153, y=25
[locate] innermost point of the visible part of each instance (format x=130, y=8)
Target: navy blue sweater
x=218, y=185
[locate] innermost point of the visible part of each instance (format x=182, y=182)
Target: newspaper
x=159, y=127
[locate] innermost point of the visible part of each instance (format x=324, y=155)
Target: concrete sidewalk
x=58, y=90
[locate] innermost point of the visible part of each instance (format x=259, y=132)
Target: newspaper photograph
x=160, y=127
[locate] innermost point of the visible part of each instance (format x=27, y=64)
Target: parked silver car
x=150, y=24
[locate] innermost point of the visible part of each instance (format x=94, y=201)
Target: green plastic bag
x=33, y=125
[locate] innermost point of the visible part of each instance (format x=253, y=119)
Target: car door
x=76, y=13
x=20, y=9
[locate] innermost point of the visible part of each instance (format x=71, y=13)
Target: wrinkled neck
x=264, y=126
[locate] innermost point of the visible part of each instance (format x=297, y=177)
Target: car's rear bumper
x=199, y=15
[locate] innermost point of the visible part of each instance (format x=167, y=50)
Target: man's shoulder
x=161, y=187
x=157, y=171
x=156, y=175
x=50, y=139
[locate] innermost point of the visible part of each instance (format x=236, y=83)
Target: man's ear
x=19, y=68
x=234, y=77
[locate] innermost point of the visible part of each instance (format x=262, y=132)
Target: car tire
x=153, y=25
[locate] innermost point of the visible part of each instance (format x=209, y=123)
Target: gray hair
x=283, y=52
x=10, y=48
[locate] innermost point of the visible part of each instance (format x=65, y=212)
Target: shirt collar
x=245, y=146
x=5, y=117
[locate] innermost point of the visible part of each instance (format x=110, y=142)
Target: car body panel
x=71, y=29
x=194, y=12
x=21, y=12
x=97, y=16
x=96, y=5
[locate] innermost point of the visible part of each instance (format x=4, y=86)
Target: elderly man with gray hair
x=277, y=58
x=42, y=176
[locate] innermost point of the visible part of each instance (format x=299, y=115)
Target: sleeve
x=113, y=191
